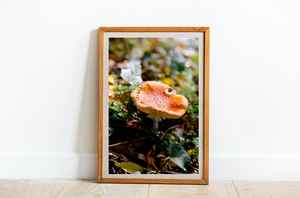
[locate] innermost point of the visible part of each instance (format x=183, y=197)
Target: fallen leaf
x=163, y=164
x=132, y=72
x=131, y=123
x=168, y=81
x=151, y=160
x=123, y=158
x=167, y=70
x=142, y=157
x=130, y=167
x=161, y=154
x=111, y=79
x=138, y=144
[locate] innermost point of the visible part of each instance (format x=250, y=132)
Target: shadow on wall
x=87, y=132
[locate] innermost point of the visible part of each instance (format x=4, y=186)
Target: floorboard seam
x=235, y=189
x=61, y=188
x=148, y=190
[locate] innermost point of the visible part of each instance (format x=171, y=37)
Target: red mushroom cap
x=159, y=100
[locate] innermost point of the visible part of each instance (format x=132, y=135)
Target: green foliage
x=178, y=155
x=179, y=134
x=118, y=117
x=116, y=108
x=123, y=90
x=116, y=124
x=196, y=141
x=162, y=147
x=183, y=142
x=195, y=150
x=150, y=75
x=193, y=111
x=177, y=67
x=130, y=107
x=182, y=137
x=193, y=134
x=169, y=139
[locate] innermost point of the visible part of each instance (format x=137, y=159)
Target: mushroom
x=159, y=100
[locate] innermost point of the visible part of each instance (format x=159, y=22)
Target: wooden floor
x=89, y=188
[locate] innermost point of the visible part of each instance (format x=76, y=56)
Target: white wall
x=48, y=83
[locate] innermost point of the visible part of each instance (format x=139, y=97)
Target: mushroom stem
x=155, y=125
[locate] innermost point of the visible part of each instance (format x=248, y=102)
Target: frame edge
x=100, y=105
x=154, y=29
x=206, y=104
x=205, y=180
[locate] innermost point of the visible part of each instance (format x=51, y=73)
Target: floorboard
x=265, y=189
x=23, y=188
x=30, y=188
x=215, y=189
x=90, y=188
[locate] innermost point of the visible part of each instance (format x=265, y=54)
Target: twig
x=169, y=129
x=170, y=172
x=160, y=138
x=162, y=165
x=194, y=168
x=141, y=121
x=147, y=169
x=126, y=142
x=151, y=171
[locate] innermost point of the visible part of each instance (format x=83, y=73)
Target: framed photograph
x=153, y=105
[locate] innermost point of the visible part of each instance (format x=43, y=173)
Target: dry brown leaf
x=170, y=163
x=132, y=123
x=163, y=164
x=151, y=160
x=123, y=158
x=142, y=157
x=161, y=154
x=181, y=128
x=138, y=144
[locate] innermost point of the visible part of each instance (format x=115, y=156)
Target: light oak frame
x=205, y=179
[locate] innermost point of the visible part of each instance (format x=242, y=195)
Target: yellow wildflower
x=190, y=152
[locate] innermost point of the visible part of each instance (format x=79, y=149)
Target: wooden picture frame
x=127, y=32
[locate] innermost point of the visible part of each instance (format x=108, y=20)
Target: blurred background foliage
x=173, y=61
